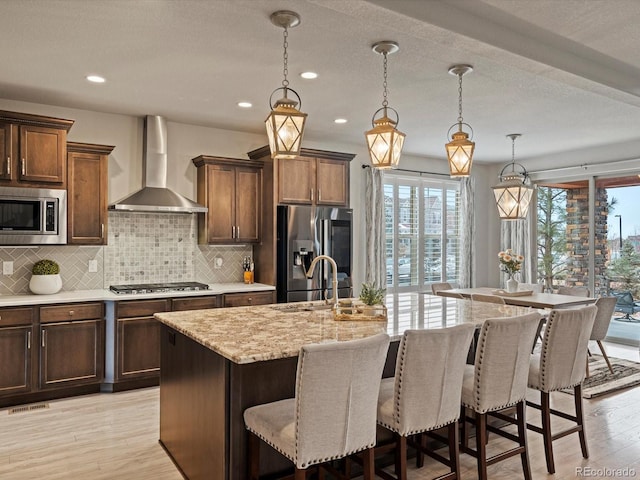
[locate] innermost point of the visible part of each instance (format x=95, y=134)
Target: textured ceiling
x=565, y=74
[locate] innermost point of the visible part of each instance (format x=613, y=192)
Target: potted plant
x=45, y=278
x=373, y=299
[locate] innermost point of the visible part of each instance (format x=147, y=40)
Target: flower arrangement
x=510, y=262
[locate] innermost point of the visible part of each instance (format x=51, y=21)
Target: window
x=422, y=231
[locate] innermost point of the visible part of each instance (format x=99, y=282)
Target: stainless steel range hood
x=154, y=195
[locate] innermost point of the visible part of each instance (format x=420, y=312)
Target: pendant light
x=513, y=193
x=285, y=123
x=384, y=140
x=460, y=148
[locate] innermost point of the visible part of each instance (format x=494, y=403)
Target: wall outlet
x=217, y=263
x=7, y=268
x=93, y=266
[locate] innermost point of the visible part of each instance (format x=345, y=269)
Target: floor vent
x=28, y=408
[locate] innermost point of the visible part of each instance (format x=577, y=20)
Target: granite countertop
x=107, y=295
x=268, y=332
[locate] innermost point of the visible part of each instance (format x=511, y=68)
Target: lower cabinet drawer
x=72, y=312
x=197, y=303
x=246, y=299
x=16, y=316
x=142, y=308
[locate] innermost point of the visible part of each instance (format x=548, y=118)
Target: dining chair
x=560, y=365
x=436, y=287
x=606, y=306
x=481, y=297
x=573, y=291
x=496, y=381
x=424, y=395
x=333, y=413
x=535, y=287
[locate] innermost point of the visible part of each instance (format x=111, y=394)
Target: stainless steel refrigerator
x=303, y=233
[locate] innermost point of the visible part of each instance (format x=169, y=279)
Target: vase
x=45, y=284
x=512, y=285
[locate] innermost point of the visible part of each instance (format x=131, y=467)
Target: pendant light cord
x=513, y=154
x=460, y=100
x=385, y=102
x=285, y=57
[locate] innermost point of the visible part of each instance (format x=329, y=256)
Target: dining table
x=522, y=299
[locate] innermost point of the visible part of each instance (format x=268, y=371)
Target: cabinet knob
x=71, y=312
x=249, y=299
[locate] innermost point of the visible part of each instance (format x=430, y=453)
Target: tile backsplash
x=142, y=248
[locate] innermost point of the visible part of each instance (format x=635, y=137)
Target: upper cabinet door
x=87, y=166
x=248, y=204
x=221, y=195
x=42, y=154
x=5, y=151
x=296, y=180
x=332, y=182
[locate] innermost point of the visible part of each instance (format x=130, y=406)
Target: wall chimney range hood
x=154, y=196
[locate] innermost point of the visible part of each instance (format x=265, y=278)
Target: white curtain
x=375, y=229
x=467, y=233
x=516, y=235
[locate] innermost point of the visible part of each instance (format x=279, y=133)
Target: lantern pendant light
x=285, y=123
x=513, y=193
x=460, y=148
x=384, y=141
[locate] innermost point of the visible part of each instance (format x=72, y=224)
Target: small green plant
x=45, y=267
x=371, y=295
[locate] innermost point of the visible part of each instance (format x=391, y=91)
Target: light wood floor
x=115, y=436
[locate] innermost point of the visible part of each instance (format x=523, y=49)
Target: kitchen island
x=217, y=363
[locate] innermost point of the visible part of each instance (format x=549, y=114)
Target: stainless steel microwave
x=33, y=216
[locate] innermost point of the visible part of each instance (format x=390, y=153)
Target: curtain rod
x=419, y=172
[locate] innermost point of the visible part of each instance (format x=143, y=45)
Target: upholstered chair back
x=502, y=362
x=428, y=378
x=337, y=389
x=436, y=287
x=606, y=306
x=481, y=297
x=574, y=291
x=564, y=348
x=535, y=287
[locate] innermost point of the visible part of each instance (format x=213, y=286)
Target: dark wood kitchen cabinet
x=138, y=339
x=71, y=344
x=16, y=357
x=33, y=149
x=249, y=298
x=87, y=166
x=313, y=181
x=232, y=190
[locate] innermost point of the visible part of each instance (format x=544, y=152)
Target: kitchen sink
x=304, y=307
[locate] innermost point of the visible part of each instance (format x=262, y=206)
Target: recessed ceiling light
x=95, y=78
x=340, y=120
x=245, y=104
x=309, y=75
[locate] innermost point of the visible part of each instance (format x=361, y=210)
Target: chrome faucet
x=334, y=277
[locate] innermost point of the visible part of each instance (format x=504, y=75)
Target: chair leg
x=481, y=444
x=368, y=467
x=401, y=457
x=545, y=411
x=604, y=354
x=454, y=449
x=300, y=474
x=522, y=439
x=577, y=398
x=421, y=441
x=587, y=368
x=253, y=454
x=464, y=430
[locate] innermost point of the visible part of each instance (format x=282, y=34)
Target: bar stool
x=333, y=413
x=606, y=306
x=499, y=380
x=559, y=365
x=424, y=394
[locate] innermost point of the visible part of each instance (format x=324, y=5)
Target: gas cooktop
x=159, y=287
